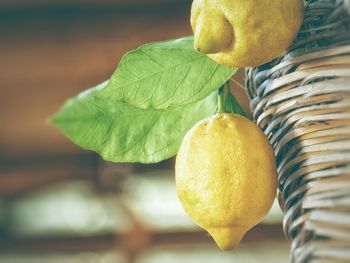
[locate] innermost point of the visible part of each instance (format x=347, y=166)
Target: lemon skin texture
x=226, y=176
x=245, y=33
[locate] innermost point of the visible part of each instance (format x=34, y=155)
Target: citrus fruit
x=245, y=33
x=226, y=176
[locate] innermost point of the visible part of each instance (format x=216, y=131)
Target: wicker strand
x=302, y=102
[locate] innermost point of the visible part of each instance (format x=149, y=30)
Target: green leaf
x=123, y=133
x=232, y=105
x=165, y=74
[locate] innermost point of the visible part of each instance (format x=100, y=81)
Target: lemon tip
x=227, y=238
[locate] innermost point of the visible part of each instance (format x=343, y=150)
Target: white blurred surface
x=248, y=253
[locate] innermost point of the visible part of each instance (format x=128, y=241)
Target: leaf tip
x=53, y=120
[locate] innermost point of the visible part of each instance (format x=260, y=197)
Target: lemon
x=226, y=176
x=245, y=33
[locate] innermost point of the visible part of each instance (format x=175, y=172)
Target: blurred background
x=59, y=203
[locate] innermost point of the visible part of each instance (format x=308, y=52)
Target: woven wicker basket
x=302, y=102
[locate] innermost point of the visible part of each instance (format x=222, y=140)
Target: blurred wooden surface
x=24, y=176
x=85, y=2
x=137, y=241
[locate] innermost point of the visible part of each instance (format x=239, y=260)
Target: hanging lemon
x=245, y=33
x=226, y=176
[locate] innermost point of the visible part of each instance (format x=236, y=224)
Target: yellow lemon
x=226, y=176
x=245, y=33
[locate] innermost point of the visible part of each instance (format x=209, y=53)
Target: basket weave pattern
x=302, y=102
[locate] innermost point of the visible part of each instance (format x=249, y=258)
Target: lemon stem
x=221, y=105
